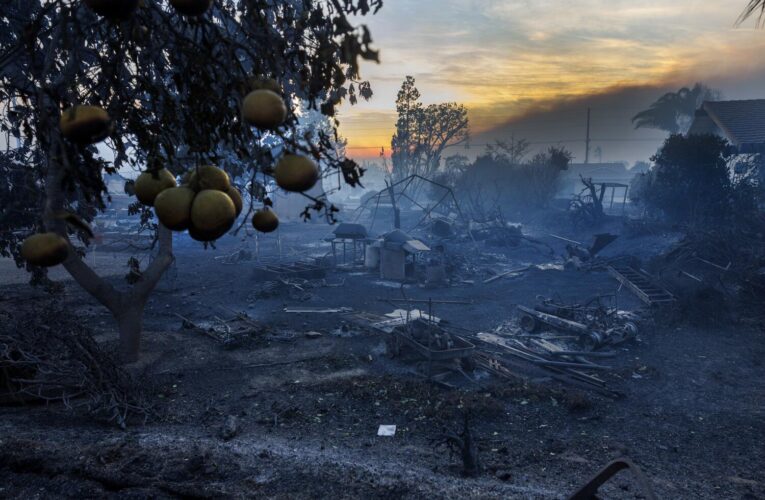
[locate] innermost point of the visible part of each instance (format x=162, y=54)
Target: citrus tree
x=94, y=87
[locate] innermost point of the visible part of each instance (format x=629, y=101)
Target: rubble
x=580, y=256
x=41, y=364
x=295, y=289
x=234, y=332
x=241, y=255
x=509, y=358
x=598, y=320
x=431, y=342
x=717, y=273
x=300, y=269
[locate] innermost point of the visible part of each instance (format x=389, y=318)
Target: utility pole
x=587, y=142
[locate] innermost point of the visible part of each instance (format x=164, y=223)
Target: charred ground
x=285, y=415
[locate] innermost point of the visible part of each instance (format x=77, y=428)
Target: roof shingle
x=742, y=122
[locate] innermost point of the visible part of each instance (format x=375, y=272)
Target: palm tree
x=754, y=7
x=662, y=114
x=674, y=110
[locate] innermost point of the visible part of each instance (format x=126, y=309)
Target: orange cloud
x=505, y=59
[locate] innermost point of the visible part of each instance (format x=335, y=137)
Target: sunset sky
x=510, y=60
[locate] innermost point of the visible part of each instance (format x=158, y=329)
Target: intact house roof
x=742, y=123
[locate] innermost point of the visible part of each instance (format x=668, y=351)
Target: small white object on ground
x=386, y=430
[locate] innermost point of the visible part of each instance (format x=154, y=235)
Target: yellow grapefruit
x=265, y=220
x=236, y=197
x=45, y=249
x=208, y=177
x=149, y=184
x=212, y=210
x=85, y=124
x=264, y=109
x=296, y=173
x=173, y=207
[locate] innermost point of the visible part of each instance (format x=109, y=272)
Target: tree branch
x=105, y=293
x=159, y=264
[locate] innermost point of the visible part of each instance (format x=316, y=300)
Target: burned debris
x=323, y=319
x=43, y=364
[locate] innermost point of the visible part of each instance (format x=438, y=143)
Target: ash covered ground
x=288, y=404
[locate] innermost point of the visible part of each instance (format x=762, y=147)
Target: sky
x=531, y=68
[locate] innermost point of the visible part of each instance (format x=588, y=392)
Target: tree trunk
x=127, y=307
x=130, y=326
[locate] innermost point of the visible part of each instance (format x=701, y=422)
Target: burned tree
x=150, y=80
x=587, y=206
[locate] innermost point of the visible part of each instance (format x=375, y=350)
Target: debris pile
x=295, y=289
x=305, y=269
x=235, y=332
x=717, y=271
x=497, y=233
x=64, y=364
x=241, y=255
x=553, y=340
x=433, y=345
x=597, y=322
x=558, y=340
x=510, y=358
x=581, y=256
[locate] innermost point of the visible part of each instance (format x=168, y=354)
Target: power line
x=516, y=119
x=587, y=141
x=648, y=139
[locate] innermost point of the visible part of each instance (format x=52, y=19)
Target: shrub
x=493, y=182
x=690, y=182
